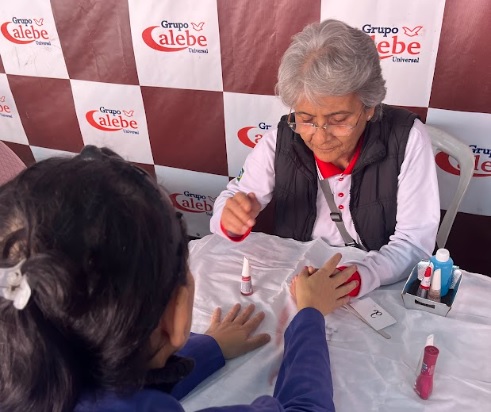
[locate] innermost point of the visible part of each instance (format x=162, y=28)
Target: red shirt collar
x=327, y=169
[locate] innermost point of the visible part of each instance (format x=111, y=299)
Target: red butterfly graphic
x=198, y=27
x=411, y=32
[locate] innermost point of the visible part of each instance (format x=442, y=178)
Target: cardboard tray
x=411, y=301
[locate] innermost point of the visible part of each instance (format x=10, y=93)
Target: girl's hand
x=234, y=333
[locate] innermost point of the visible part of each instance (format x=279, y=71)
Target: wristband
x=234, y=238
x=354, y=276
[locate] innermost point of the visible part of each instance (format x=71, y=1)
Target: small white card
x=377, y=317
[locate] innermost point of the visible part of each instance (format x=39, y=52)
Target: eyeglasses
x=308, y=129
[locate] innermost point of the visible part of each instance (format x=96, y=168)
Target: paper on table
x=377, y=317
x=354, y=312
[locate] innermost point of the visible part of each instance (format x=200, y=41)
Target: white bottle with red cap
x=442, y=260
x=424, y=286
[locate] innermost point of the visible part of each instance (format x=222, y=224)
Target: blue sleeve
x=304, y=381
x=208, y=358
x=305, y=374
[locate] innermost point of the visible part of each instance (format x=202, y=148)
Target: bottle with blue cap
x=442, y=260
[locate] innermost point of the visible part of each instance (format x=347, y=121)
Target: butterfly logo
x=39, y=22
x=129, y=113
x=199, y=26
x=411, y=32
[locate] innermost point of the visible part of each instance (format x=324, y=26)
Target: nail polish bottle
x=246, y=283
x=424, y=382
x=430, y=341
x=424, y=286
x=435, y=288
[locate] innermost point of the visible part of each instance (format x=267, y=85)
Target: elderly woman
x=339, y=142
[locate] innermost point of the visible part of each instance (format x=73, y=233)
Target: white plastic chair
x=10, y=164
x=463, y=154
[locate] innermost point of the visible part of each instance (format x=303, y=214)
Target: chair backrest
x=463, y=154
x=10, y=164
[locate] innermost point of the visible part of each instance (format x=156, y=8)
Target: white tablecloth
x=370, y=373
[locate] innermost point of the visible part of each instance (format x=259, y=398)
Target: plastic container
x=442, y=260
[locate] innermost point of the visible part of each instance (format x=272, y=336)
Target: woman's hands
x=324, y=289
x=233, y=333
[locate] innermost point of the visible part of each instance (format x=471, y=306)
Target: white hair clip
x=14, y=286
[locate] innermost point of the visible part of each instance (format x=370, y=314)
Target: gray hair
x=331, y=59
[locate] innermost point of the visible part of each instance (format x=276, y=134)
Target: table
x=370, y=373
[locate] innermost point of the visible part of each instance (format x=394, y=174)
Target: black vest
x=373, y=203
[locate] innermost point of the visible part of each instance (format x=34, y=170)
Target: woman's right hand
x=239, y=213
x=324, y=289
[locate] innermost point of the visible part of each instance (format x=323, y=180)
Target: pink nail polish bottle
x=424, y=382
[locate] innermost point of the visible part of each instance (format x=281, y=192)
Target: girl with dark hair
x=96, y=299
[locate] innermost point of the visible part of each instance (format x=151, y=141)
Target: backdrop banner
x=186, y=88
